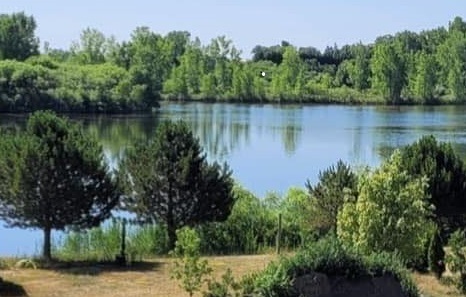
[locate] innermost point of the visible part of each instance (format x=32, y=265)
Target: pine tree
x=53, y=177
x=169, y=181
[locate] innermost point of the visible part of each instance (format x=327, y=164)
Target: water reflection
x=362, y=135
x=396, y=127
x=221, y=128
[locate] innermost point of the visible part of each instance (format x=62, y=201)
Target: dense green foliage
x=100, y=74
x=390, y=214
x=17, y=39
x=328, y=195
x=52, y=176
x=456, y=258
x=253, y=223
x=169, y=181
x=331, y=257
x=446, y=175
x=250, y=229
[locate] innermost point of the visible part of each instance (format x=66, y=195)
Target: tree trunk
x=171, y=230
x=46, y=252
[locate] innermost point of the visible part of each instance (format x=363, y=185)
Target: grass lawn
x=150, y=279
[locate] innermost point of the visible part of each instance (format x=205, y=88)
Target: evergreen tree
x=52, y=177
x=328, y=195
x=169, y=181
x=446, y=179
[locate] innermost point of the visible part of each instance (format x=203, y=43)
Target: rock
x=312, y=285
x=320, y=285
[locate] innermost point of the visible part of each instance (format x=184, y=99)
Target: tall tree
x=173, y=183
x=92, y=47
x=17, y=37
x=179, y=41
x=221, y=50
x=243, y=81
x=52, y=177
x=151, y=57
x=388, y=71
x=193, y=63
x=426, y=77
x=284, y=80
x=452, y=60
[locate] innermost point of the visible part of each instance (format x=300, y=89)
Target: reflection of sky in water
x=271, y=148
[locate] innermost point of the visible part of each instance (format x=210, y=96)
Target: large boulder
x=320, y=285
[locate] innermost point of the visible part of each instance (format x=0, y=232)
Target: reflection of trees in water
x=385, y=151
x=287, y=121
x=221, y=128
x=117, y=133
x=397, y=127
x=386, y=148
x=291, y=137
x=357, y=156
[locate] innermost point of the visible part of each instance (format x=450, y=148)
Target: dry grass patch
x=431, y=287
x=102, y=282
x=154, y=279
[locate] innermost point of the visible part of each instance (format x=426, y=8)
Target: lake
x=270, y=147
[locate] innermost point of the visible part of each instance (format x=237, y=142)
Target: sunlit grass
x=102, y=244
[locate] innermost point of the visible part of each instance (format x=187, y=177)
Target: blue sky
x=246, y=22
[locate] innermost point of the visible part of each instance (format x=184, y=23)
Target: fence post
x=121, y=258
x=279, y=233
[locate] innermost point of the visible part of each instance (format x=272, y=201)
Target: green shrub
x=330, y=257
x=456, y=258
x=226, y=287
x=189, y=269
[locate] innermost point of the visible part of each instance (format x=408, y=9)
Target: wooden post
x=121, y=258
x=123, y=238
x=279, y=233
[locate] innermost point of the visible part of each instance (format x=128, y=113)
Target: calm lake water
x=270, y=148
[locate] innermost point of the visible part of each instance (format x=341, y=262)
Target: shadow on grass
x=9, y=289
x=96, y=268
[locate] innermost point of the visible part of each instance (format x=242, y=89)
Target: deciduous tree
x=17, y=36
x=391, y=213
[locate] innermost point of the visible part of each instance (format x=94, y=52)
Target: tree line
x=97, y=73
